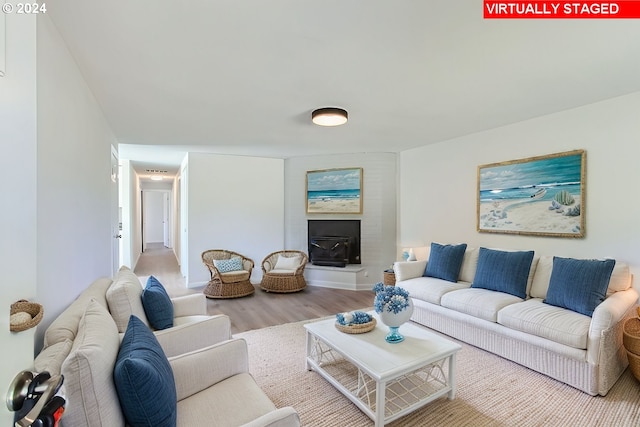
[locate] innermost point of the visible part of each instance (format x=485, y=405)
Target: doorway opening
x=157, y=218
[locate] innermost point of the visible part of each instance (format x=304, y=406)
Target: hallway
x=260, y=310
x=162, y=263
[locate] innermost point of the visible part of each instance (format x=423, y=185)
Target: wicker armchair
x=290, y=279
x=230, y=284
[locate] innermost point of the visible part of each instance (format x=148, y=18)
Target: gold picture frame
x=334, y=191
x=543, y=195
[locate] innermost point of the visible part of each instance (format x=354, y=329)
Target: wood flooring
x=260, y=310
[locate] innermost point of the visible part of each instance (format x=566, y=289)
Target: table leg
x=380, y=403
x=452, y=377
x=309, y=346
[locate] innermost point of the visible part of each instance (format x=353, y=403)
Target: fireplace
x=334, y=242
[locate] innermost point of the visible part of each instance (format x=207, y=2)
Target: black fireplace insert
x=334, y=242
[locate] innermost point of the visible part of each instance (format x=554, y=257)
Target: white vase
x=395, y=320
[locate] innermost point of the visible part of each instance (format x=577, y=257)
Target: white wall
x=131, y=215
x=183, y=255
x=438, y=182
x=126, y=173
x=234, y=203
x=74, y=178
x=18, y=176
x=176, y=214
x=378, y=219
x=58, y=226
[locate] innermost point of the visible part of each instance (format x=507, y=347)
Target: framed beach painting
x=541, y=195
x=334, y=191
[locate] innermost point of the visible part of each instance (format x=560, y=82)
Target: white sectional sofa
x=580, y=350
x=213, y=385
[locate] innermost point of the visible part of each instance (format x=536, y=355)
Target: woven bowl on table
x=359, y=328
x=35, y=310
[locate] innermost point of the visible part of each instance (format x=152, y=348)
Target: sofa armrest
x=612, y=310
x=405, y=270
x=606, y=318
x=200, y=369
x=194, y=335
x=189, y=305
x=283, y=417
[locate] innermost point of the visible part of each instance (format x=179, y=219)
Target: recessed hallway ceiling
x=242, y=77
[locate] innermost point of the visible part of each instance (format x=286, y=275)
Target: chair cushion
x=88, y=372
x=281, y=272
x=445, y=261
x=554, y=323
x=503, y=271
x=157, y=304
x=234, y=401
x=287, y=263
x=481, y=303
x=124, y=299
x=235, y=276
x=227, y=265
x=144, y=379
x=431, y=289
x=579, y=284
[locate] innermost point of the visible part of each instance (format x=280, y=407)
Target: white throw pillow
x=51, y=358
x=469, y=264
x=88, y=372
x=287, y=263
x=124, y=299
x=620, y=278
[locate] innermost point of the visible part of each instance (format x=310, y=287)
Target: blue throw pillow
x=503, y=271
x=579, y=284
x=445, y=261
x=157, y=304
x=227, y=265
x=144, y=379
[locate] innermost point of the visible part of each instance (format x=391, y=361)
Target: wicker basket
x=357, y=329
x=631, y=335
x=389, y=278
x=634, y=364
x=35, y=310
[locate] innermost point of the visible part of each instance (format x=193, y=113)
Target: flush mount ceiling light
x=155, y=174
x=329, y=116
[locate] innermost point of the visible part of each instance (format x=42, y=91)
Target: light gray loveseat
x=584, y=352
x=210, y=369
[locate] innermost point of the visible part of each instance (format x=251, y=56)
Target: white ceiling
x=242, y=77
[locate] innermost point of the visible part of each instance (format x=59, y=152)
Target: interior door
x=166, y=219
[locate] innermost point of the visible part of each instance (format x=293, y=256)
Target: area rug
x=491, y=391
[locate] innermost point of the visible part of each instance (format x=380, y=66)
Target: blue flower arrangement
x=395, y=298
x=353, y=318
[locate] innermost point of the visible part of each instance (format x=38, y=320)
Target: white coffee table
x=386, y=381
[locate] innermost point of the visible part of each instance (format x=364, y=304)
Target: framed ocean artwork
x=542, y=195
x=334, y=191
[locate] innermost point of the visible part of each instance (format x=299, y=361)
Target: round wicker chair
x=231, y=284
x=290, y=279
